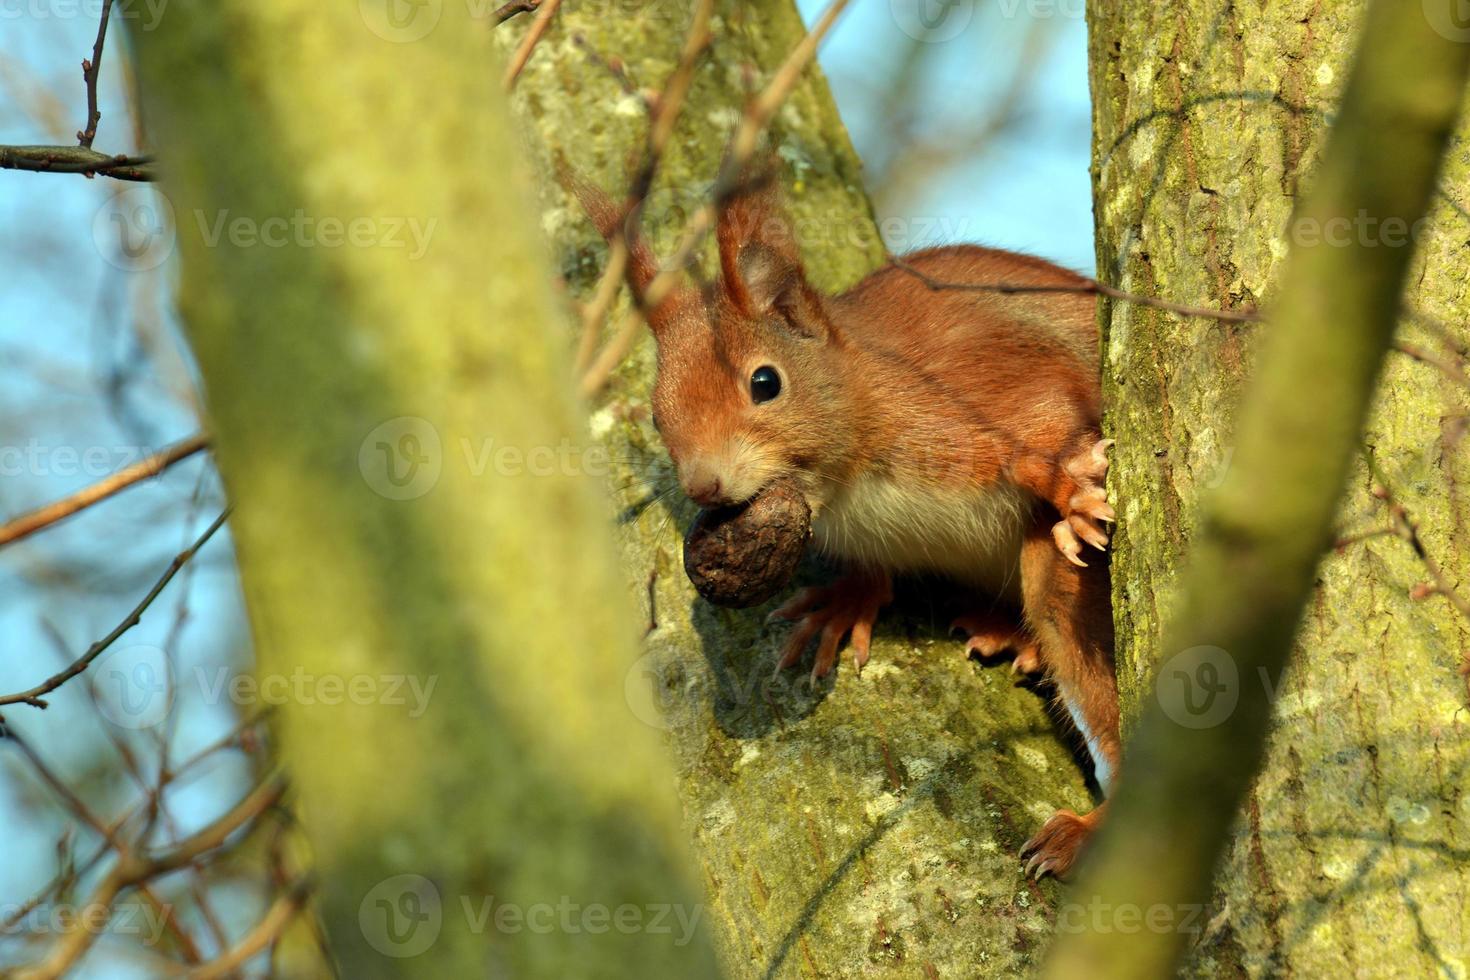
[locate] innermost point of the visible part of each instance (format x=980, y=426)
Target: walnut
x=741, y=556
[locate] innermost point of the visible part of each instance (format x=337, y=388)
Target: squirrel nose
x=707, y=493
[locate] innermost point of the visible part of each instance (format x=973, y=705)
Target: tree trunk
x=871, y=823
x=375, y=329
x=1351, y=856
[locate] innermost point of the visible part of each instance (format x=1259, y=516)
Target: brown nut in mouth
x=741, y=556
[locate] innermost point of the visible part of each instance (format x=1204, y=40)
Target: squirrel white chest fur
x=972, y=536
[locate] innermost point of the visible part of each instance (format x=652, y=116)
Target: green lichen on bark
x=1351, y=857
x=870, y=824
x=522, y=783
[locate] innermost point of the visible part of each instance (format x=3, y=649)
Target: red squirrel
x=931, y=429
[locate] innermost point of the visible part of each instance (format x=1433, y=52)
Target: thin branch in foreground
x=613, y=66
x=742, y=148
x=666, y=110
x=241, y=737
x=91, y=68
x=33, y=697
x=76, y=160
x=44, y=517
x=544, y=13
x=1087, y=287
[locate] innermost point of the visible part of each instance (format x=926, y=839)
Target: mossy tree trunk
x=418, y=538
x=872, y=823
x=1353, y=854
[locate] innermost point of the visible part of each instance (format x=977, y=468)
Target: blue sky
x=1030, y=191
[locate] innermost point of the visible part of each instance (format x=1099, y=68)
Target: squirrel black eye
x=765, y=384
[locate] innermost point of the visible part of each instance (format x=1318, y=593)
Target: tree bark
x=1350, y=855
x=871, y=823
x=449, y=622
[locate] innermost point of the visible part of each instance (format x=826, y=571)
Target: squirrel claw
x=1056, y=846
x=989, y=635
x=1067, y=542
x=847, y=607
x=1086, y=511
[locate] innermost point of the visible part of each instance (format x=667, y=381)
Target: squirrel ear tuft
x=760, y=265
x=608, y=216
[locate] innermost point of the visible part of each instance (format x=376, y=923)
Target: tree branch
x=33, y=697
x=44, y=517
x=544, y=12
x=281, y=914
x=133, y=869
x=90, y=70
x=509, y=10
x=1252, y=569
x=1088, y=287
x=76, y=160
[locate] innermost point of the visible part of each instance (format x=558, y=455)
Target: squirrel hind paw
x=989, y=636
x=1055, y=848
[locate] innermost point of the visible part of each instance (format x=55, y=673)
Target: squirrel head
x=750, y=385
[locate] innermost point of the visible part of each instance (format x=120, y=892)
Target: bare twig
x=1449, y=368
x=613, y=66
x=238, y=737
x=742, y=148
x=544, y=12
x=509, y=10
x=1087, y=287
x=34, y=696
x=602, y=299
x=666, y=112
x=280, y=915
x=134, y=868
x=1407, y=528
x=91, y=68
x=612, y=355
x=48, y=515
x=76, y=160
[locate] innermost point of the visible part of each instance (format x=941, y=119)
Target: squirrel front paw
x=1056, y=846
x=1086, y=510
x=849, y=605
